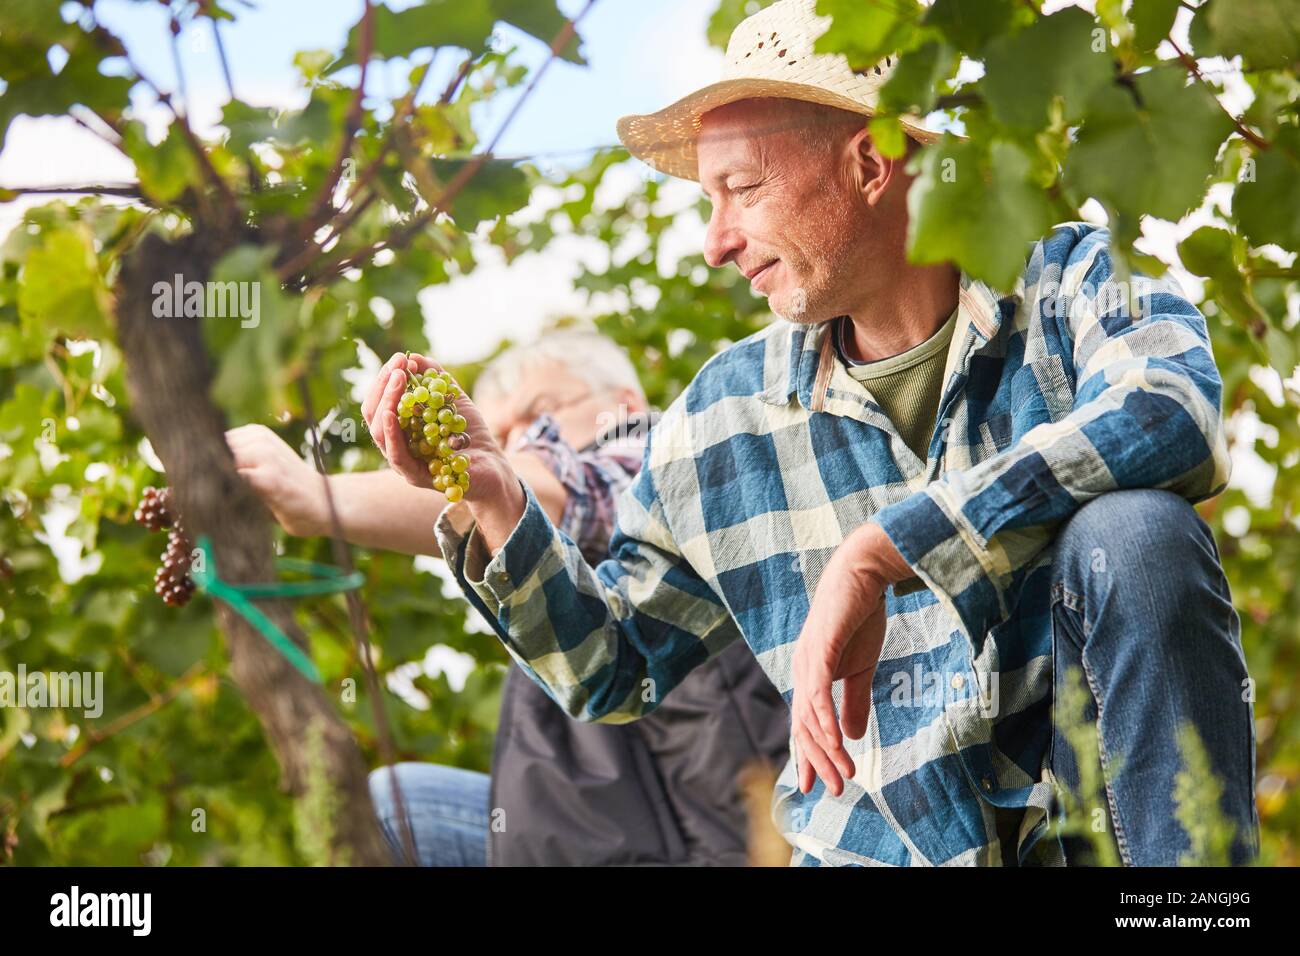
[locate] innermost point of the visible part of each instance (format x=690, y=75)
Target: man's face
x=545, y=387
x=783, y=211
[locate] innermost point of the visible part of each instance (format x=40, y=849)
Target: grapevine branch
x=126, y=190
x=339, y=224
x=1195, y=69
x=402, y=235
x=116, y=47
x=320, y=212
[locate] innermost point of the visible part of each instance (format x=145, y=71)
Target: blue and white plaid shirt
x=1054, y=394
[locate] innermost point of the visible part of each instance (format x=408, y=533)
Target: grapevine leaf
x=541, y=19
x=1152, y=20
x=868, y=32
x=498, y=188
x=1065, y=56
x=430, y=23
x=1265, y=32
x=62, y=289
x=975, y=206
x=970, y=24
x=166, y=168
x=1268, y=207
x=1149, y=150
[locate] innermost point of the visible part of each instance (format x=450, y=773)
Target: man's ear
x=872, y=172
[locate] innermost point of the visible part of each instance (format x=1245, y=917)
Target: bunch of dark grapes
x=435, y=431
x=154, y=509
x=172, y=581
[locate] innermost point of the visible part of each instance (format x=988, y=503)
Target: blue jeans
x=1140, y=603
x=447, y=807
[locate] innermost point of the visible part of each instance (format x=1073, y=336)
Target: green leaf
x=250, y=379
x=728, y=16
x=165, y=169
x=431, y=23
x=887, y=133
x=1218, y=255
x=247, y=125
x=35, y=22
x=38, y=91
x=969, y=24
x=1152, y=20
x=1149, y=150
x=541, y=19
x=1265, y=32
x=913, y=86
x=62, y=290
x=498, y=188
x=976, y=207
x=1268, y=208
x=1057, y=57
x=868, y=32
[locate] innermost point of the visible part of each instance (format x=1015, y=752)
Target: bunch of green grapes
x=435, y=431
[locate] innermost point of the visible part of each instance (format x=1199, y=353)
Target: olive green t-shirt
x=907, y=386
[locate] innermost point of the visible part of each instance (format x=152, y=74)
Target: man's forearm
x=378, y=509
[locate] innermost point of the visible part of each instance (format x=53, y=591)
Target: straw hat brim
x=666, y=140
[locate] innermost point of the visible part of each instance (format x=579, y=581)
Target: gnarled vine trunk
x=168, y=374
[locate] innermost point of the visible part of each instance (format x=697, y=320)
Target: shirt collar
x=799, y=359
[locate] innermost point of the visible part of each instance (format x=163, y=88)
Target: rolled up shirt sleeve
x=1145, y=414
x=608, y=642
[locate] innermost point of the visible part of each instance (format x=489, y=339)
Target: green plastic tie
x=326, y=580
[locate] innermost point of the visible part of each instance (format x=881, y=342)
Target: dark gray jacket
x=659, y=791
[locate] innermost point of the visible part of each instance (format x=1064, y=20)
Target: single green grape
x=436, y=399
x=444, y=430
x=454, y=493
x=460, y=464
x=438, y=386
x=431, y=433
x=429, y=415
x=445, y=450
x=445, y=416
x=458, y=423
x=463, y=480
x=421, y=394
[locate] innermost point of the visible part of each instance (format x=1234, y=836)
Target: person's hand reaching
x=287, y=485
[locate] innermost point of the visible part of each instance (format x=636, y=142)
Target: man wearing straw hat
x=922, y=504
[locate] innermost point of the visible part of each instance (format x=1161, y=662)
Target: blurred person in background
x=572, y=416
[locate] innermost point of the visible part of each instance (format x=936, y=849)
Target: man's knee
x=1135, y=534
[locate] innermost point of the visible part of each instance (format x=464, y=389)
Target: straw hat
x=769, y=54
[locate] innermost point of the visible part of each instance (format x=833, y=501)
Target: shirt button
x=503, y=577
x=987, y=784
x=958, y=682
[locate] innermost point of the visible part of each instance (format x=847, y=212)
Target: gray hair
x=588, y=356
